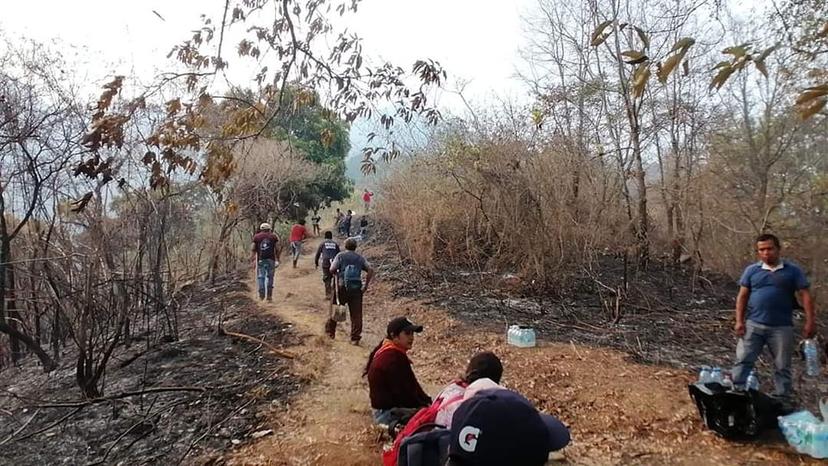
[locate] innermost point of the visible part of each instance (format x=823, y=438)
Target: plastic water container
x=512, y=335
x=805, y=433
x=520, y=336
x=716, y=375
x=527, y=337
x=704, y=374
x=811, y=357
x=752, y=382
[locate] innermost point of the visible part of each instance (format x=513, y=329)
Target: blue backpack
x=352, y=276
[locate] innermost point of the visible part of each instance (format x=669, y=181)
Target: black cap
x=496, y=427
x=402, y=324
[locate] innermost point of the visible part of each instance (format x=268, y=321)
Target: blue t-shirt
x=771, y=299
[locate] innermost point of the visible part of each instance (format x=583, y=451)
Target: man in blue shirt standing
x=764, y=314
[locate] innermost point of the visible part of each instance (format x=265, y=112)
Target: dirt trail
x=330, y=422
x=619, y=412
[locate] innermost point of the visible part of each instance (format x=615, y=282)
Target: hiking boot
x=355, y=342
x=294, y=263
x=270, y=299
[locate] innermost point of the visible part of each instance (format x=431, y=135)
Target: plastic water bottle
x=752, y=382
x=512, y=335
x=716, y=375
x=528, y=338
x=704, y=374
x=811, y=357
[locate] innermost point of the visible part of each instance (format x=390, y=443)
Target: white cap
x=264, y=226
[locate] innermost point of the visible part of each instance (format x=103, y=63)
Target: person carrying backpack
x=266, y=253
x=483, y=372
x=500, y=427
x=327, y=251
x=347, y=268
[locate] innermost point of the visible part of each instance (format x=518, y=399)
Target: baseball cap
x=496, y=427
x=264, y=226
x=402, y=324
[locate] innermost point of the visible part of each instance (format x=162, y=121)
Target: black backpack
x=425, y=448
x=734, y=415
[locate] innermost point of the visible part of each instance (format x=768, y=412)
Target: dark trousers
x=354, y=301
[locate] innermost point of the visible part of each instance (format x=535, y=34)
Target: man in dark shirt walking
x=347, y=268
x=327, y=251
x=764, y=314
x=266, y=253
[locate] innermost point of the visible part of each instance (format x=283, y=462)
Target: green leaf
x=668, y=66
x=635, y=57
x=721, y=77
x=683, y=44
x=737, y=50
x=598, y=37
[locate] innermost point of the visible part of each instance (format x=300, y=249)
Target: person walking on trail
x=767, y=298
x=327, y=251
x=366, y=199
x=393, y=388
x=266, y=253
x=346, y=224
x=338, y=217
x=298, y=233
x=315, y=222
x=347, y=268
x=363, y=226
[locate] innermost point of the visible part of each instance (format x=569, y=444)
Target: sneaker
x=270, y=299
x=355, y=342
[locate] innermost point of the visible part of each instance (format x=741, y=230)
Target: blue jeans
x=264, y=276
x=780, y=341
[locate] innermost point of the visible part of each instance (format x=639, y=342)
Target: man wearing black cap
x=395, y=393
x=500, y=427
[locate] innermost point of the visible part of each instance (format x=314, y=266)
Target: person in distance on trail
x=363, y=226
x=347, y=268
x=366, y=199
x=499, y=427
x=266, y=253
x=346, y=223
x=767, y=298
x=315, y=222
x=338, y=217
x=328, y=250
x=393, y=388
x=298, y=233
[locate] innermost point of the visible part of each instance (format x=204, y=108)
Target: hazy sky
x=475, y=40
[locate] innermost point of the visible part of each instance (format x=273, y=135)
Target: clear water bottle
x=529, y=340
x=716, y=375
x=752, y=382
x=704, y=374
x=811, y=357
x=512, y=335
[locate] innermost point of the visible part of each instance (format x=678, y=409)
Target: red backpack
x=424, y=418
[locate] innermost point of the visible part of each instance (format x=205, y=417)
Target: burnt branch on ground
x=167, y=402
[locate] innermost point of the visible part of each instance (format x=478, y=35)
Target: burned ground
x=165, y=402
